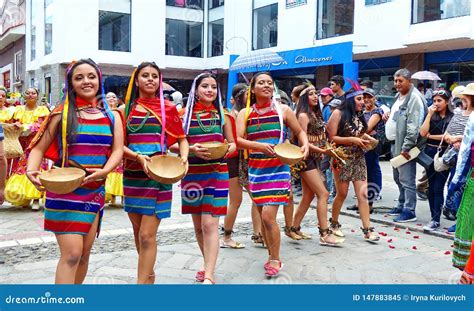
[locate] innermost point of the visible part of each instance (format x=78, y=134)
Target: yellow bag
x=11, y=143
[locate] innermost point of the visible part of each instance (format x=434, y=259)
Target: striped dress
x=143, y=195
x=269, y=178
x=204, y=189
x=74, y=213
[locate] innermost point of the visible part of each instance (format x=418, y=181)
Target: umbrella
x=425, y=75
x=256, y=58
x=167, y=87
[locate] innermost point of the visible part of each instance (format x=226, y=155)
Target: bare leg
x=235, y=200
x=148, y=249
x=88, y=241
x=70, y=246
x=272, y=232
x=136, y=220
x=211, y=243
x=342, y=188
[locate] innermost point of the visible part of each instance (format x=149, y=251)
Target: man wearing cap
x=402, y=129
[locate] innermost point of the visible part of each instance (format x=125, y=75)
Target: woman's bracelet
x=136, y=157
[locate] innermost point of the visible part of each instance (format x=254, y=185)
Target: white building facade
x=185, y=37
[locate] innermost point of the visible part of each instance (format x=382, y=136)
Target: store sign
x=311, y=57
x=294, y=3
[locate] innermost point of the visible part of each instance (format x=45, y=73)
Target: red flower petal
x=396, y=229
x=389, y=240
x=447, y=252
x=385, y=216
x=408, y=232
x=382, y=233
x=414, y=248
x=391, y=246
x=416, y=236
x=419, y=225
x=352, y=230
x=452, y=245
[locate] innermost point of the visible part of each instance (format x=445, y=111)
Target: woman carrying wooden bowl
x=152, y=124
x=84, y=130
x=345, y=128
x=205, y=188
x=260, y=127
x=311, y=121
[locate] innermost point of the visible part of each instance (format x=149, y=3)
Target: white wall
x=377, y=28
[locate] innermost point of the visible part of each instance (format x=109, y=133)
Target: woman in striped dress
x=259, y=129
x=146, y=201
x=204, y=189
x=85, y=131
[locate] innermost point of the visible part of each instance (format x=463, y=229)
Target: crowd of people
x=338, y=132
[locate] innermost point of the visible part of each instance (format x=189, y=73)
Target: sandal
x=227, y=244
x=200, y=276
x=327, y=238
x=303, y=235
x=270, y=270
x=291, y=234
x=370, y=235
x=258, y=239
x=336, y=228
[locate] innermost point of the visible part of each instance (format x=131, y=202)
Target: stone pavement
x=30, y=253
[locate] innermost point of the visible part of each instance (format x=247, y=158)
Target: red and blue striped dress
x=74, y=213
x=143, y=195
x=204, y=189
x=269, y=178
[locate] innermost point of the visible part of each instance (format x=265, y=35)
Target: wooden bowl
x=373, y=142
x=217, y=150
x=166, y=169
x=62, y=180
x=288, y=153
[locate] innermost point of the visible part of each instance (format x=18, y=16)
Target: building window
x=6, y=79
x=265, y=26
x=374, y=2
x=216, y=38
x=192, y=4
x=335, y=18
x=32, y=32
x=18, y=66
x=215, y=3
x=48, y=27
x=115, y=25
x=184, y=38
x=433, y=10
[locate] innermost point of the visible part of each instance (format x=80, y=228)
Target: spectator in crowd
x=402, y=129
x=366, y=84
x=429, y=94
x=454, y=136
x=336, y=83
x=435, y=124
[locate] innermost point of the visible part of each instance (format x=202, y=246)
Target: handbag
x=438, y=163
x=11, y=143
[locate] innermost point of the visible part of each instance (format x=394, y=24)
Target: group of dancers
x=85, y=130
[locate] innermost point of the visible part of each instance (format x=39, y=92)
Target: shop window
x=115, y=25
x=335, y=18
x=191, y=4
x=216, y=38
x=32, y=31
x=184, y=38
x=215, y=3
x=265, y=27
x=433, y=10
